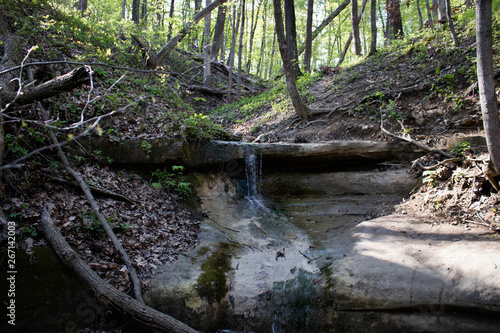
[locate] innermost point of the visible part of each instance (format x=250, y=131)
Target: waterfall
x=253, y=167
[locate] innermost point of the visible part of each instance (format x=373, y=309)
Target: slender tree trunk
x=136, y=8
x=300, y=108
x=171, y=19
x=230, y=62
x=206, y=49
x=218, y=32
x=124, y=9
x=271, y=62
x=420, y=19
x=429, y=14
x=486, y=83
x=155, y=60
x=450, y=22
x=240, y=52
x=325, y=23
x=144, y=11
x=308, y=44
x=355, y=27
x=291, y=36
x=373, y=22
x=262, y=42
x=349, y=40
x=435, y=7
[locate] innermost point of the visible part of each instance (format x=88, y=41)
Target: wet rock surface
x=336, y=257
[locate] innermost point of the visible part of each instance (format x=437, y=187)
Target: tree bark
x=355, y=27
x=154, y=60
x=429, y=14
x=442, y=11
x=394, y=20
x=218, y=32
x=300, y=108
x=349, y=40
x=240, y=49
x=206, y=50
x=308, y=44
x=136, y=7
x=66, y=82
x=486, y=84
x=373, y=22
x=104, y=291
x=420, y=19
x=450, y=22
x=291, y=36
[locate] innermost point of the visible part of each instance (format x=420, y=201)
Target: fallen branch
x=66, y=82
x=100, y=190
x=449, y=160
x=95, y=207
x=105, y=292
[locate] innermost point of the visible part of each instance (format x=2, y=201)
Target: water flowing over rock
x=325, y=252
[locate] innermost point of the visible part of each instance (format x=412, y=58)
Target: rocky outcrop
x=274, y=155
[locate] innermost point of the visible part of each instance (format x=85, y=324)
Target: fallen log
x=105, y=292
x=65, y=82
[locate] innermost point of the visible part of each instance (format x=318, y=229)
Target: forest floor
x=425, y=89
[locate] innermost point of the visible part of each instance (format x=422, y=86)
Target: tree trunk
x=103, y=290
x=82, y=6
x=420, y=19
x=262, y=42
x=207, y=58
x=349, y=40
x=144, y=10
x=355, y=27
x=124, y=8
x=272, y=56
x=170, y=20
x=394, y=21
x=325, y=23
x=136, y=7
x=230, y=61
x=291, y=37
x=218, y=32
x=155, y=60
x=373, y=22
x=429, y=14
x=65, y=82
x=486, y=84
x=442, y=11
x=300, y=108
x=450, y=22
x=240, y=49
x=308, y=44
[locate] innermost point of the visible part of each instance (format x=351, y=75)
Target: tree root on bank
x=105, y=292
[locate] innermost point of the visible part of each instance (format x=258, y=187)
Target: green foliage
x=14, y=146
x=461, y=148
x=146, y=147
x=172, y=180
x=198, y=126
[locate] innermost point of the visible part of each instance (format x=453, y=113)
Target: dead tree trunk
x=105, y=292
